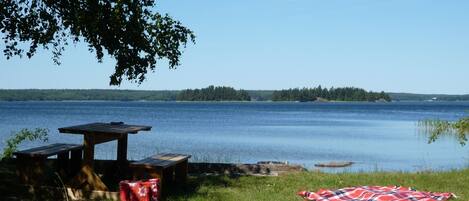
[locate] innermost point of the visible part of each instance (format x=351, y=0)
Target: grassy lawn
x=285, y=187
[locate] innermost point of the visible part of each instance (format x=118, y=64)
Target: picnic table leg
x=75, y=161
x=181, y=172
x=88, y=150
x=159, y=173
x=86, y=178
x=122, y=150
x=63, y=163
x=122, y=163
x=168, y=174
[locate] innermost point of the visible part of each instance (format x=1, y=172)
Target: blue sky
x=395, y=46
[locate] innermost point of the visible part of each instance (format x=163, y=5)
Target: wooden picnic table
x=96, y=133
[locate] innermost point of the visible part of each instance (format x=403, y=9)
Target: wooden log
x=334, y=164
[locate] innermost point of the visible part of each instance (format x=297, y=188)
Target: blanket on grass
x=374, y=193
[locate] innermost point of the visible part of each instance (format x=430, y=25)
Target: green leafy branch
x=24, y=134
x=437, y=128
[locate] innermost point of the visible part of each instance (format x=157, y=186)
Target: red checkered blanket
x=374, y=193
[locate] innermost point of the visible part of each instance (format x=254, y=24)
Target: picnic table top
x=107, y=128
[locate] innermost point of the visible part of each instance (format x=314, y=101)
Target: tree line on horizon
x=210, y=93
x=85, y=95
x=333, y=94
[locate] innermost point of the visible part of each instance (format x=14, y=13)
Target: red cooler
x=143, y=190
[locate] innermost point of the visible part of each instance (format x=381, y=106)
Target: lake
x=376, y=136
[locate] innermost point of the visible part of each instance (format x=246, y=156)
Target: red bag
x=143, y=190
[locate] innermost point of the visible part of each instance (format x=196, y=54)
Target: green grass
x=286, y=186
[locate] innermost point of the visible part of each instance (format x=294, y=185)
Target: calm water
x=377, y=136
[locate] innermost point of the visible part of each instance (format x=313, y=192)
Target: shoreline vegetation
x=222, y=93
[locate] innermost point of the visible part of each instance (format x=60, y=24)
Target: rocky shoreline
x=262, y=169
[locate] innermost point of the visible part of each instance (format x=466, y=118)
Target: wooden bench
x=31, y=162
x=168, y=167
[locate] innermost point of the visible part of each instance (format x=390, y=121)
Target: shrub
x=24, y=134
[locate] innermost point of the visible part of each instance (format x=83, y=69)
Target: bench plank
x=48, y=150
x=161, y=160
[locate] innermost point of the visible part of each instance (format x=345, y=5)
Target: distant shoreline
x=171, y=95
x=247, y=102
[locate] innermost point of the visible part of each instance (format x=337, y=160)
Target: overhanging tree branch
x=127, y=30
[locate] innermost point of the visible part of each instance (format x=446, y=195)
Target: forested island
x=213, y=93
x=324, y=94
x=221, y=93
